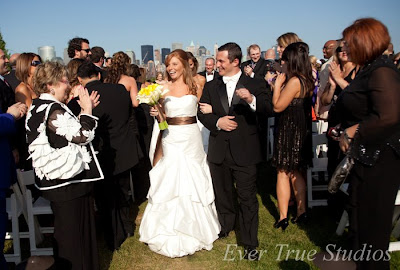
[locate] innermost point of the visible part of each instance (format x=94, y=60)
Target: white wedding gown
x=180, y=217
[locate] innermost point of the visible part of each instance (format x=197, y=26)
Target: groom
x=234, y=146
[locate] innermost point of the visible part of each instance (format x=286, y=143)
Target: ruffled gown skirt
x=180, y=217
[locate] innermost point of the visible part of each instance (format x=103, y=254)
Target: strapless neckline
x=181, y=96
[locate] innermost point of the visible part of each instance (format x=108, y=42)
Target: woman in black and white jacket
x=65, y=163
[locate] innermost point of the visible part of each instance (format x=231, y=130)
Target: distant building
x=47, y=53
x=147, y=53
x=176, y=46
x=215, y=49
x=202, y=50
x=164, y=54
x=263, y=54
x=132, y=56
x=191, y=48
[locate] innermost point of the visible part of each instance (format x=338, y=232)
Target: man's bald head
x=329, y=48
x=13, y=59
x=270, y=54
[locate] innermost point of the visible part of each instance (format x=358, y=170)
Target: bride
x=180, y=217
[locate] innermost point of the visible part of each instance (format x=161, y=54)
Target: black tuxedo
x=234, y=154
x=216, y=74
x=116, y=141
x=259, y=70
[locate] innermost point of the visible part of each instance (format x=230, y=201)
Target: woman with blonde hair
x=180, y=217
x=55, y=135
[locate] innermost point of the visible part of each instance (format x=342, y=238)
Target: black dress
x=372, y=100
x=292, y=144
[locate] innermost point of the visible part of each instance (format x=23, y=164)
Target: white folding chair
x=14, y=210
x=40, y=207
x=319, y=164
x=270, y=144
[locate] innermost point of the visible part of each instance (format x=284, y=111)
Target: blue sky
x=127, y=24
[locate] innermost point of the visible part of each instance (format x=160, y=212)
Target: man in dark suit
x=10, y=77
x=118, y=153
x=210, y=73
x=97, y=58
x=256, y=67
x=234, y=146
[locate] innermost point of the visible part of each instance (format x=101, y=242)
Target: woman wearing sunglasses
x=26, y=66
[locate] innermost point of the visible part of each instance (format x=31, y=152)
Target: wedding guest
x=72, y=69
x=118, y=153
x=79, y=48
x=194, y=65
x=10, y=77
x=342, y=71
x=370, y=117
x=210, y=73
x=117, y=73
x=53, y=134
x=97, y=58
x=26, y=66
x=292, y=147
x=234, y=145
x=256, y=67
x=7, y=164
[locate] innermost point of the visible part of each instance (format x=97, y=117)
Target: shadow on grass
x=266, y=185
x=293, y=264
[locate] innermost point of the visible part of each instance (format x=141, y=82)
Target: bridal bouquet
x=151, y=95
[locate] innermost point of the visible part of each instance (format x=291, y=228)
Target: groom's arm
x=209, y=120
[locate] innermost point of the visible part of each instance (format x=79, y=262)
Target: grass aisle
x=275, y=244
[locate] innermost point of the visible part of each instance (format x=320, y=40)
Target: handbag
x=340, y=174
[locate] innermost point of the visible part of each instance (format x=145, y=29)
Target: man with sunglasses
x=79, y=48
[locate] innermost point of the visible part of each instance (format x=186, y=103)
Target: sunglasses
x=35, y=63
x=86, y=50
x=339, y=49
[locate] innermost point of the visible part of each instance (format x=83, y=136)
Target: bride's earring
x=52, y=91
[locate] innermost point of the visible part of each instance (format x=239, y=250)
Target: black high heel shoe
x=281, y=224
x=302, y=219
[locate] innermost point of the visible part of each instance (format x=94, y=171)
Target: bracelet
x=346, y=136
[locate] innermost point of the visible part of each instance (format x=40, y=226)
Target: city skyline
x=33, y=24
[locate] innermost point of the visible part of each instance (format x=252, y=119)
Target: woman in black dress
x=370, y=116
x=292, y=100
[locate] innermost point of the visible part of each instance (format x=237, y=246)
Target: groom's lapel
x=236, y=98
x=223, y=96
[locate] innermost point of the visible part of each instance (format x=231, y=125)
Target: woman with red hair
x=369, y=111
x=180, y=217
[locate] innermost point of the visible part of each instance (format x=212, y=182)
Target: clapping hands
x=86, y=101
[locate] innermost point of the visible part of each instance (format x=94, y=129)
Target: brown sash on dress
x=158, y=153
x=181, y=120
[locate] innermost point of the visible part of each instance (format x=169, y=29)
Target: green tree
x=3, y=45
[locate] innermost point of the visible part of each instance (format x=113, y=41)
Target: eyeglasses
x=339, y=49
x=35, y=63
x=86, y=50
x=65, y=82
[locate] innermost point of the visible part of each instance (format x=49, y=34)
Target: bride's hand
x=205, y=108
x=153, y=111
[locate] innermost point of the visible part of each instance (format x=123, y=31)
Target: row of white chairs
x=21, y=203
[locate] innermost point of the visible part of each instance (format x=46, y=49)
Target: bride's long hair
x=187, y=73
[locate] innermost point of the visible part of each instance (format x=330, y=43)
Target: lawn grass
x=312, y=238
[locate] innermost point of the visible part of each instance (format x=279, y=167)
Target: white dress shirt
x=210, y=77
